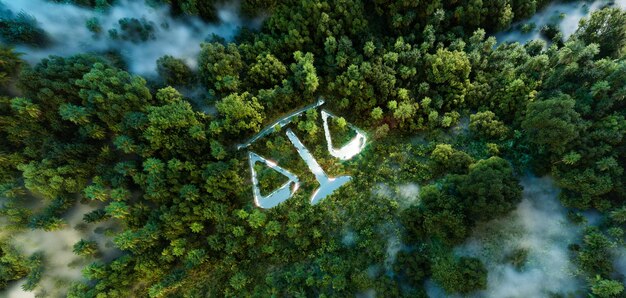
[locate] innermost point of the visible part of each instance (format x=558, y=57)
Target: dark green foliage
x=409, y=73
x=13, y=265
x=460, y=16
x=607, y=288
x=582, y=146
x=204, y=9
x=415, y=266
x=107, y=95
x=268, y=71
x=594, y=253
x=220, y=66
x=254, y=7
x=518, y=258
x=21, y=28
x=305, y=76
x=551, y=32
x=441, y=217
x=525, y=8
x=241, y=113
x=35, y=266
x=85, y=248
x=553, y=123
x=93, y=25
x=133, y=30
x=174, y=71
x=50, y=219
x=464, y=275
x=10, y=64
x=448, y=159
x=97, y=4
x=490, y=189
x=486, y=125
x=607, y=28
x=450, y=69
x=95, y=216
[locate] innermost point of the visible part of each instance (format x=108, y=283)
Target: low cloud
x=62, y=266
x=565, y=14
x=65, y=24
x=405, y=194
x=526, y=253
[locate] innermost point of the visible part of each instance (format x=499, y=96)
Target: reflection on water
x=280, y=123
x=354, y=147
x=278, y=196
x=327, y=184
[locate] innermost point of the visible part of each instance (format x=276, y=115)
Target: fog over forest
x=181, y=38
x=538, y=227
x=493, y=167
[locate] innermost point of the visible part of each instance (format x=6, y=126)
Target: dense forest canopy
x=121, y=176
